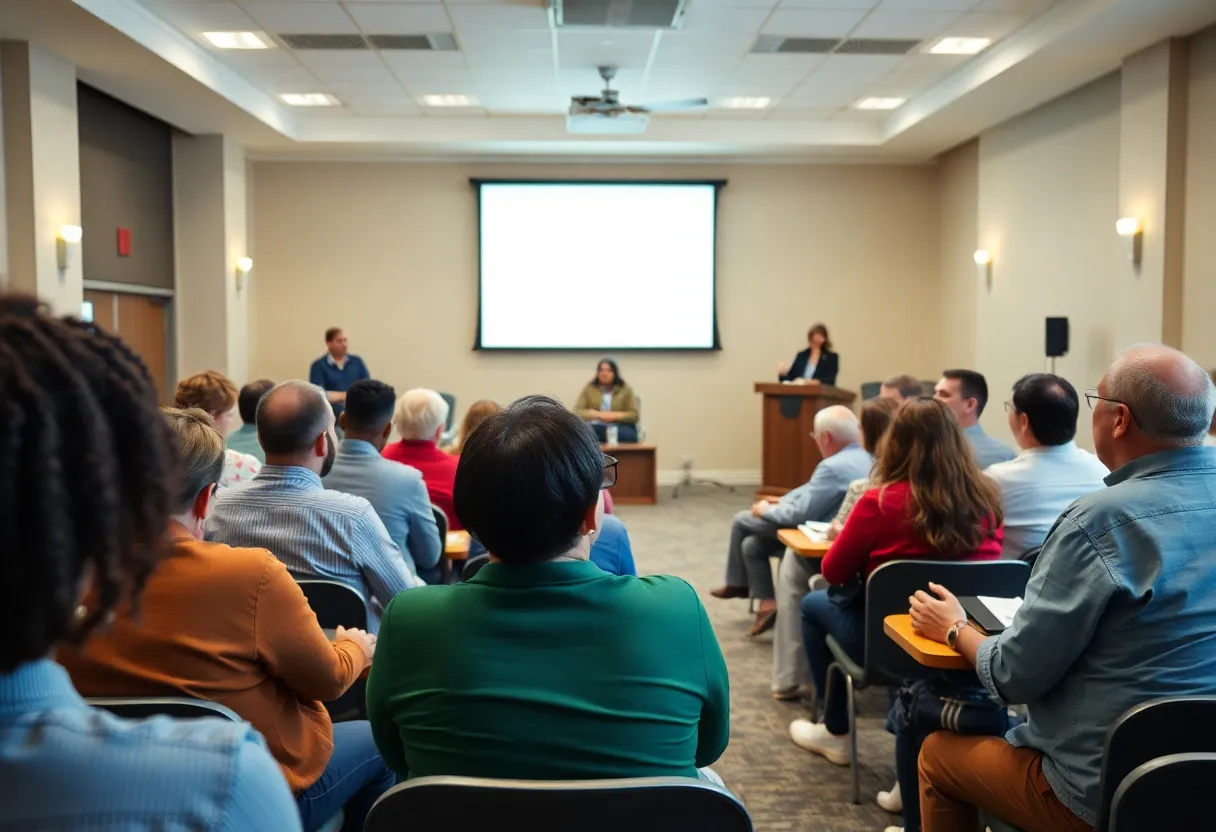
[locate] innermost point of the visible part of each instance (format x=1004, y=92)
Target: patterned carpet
x=785, y=788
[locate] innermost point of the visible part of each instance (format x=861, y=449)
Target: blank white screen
x=612, y=266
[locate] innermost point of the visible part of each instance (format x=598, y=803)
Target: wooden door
x=140, y=321
x=105, y=309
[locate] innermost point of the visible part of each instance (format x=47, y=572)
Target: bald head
x=291, y=416
x=1171, y=398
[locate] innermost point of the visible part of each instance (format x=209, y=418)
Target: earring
x=82, y=612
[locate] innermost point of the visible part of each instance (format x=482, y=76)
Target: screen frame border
x=717, y=184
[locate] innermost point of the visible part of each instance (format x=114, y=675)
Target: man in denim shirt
x=1120, y=609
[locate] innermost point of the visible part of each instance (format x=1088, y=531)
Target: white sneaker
x=817, y=582
x=891, y=801
x=815, y=738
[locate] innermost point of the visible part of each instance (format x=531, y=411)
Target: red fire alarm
x=124, y=242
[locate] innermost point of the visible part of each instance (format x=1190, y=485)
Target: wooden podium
x=790, y=452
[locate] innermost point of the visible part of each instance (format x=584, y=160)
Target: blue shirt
x=1037, y=486
x=398, y=495
x=1120, y=609
x=988, y=451
x=820, y=497
x=245, y=440
x=326, y=374
x=611, y=550
x=314, y=532
x=66, y=766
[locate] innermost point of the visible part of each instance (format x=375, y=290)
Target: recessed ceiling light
x=960, y=46
x=237, y=40
x=745, y=103
x=879, y=103
x=309, y=99
x=448, y=100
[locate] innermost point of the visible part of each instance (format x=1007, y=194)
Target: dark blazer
x=825, y=370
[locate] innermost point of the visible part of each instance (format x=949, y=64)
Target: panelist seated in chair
x=606, y=400
x=929, y=501
x=68, y=386
x=552, y=669
x=230, y=625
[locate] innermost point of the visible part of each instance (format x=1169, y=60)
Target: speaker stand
x=690, y=480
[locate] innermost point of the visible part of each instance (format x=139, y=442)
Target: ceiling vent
x=777, y=45
x=645, y=14
x=420, y=43
x=324, y=41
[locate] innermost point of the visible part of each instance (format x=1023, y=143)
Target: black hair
x=292, y=427
x=971, y=385
x=332, y=333
x=88, y=477
x=527, y=477
x=1050, y=404
x=250, y=395
x=369, y=405
x=617, y=381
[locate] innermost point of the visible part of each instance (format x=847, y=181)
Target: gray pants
x=790, y=669
x=752, y=542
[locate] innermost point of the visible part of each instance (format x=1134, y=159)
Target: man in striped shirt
x=315, y=533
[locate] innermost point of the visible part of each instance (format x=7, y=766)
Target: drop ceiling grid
x=514, y=64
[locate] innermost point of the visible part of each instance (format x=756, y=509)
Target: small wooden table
x=637, y=480
x=926, y=652
x=457, y=546
x=802, y=545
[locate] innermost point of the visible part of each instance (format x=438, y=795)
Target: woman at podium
x=817, y=362
x=608, y=400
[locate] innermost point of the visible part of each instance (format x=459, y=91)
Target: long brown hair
x=953, y=507
x=876, y=416
x=477, y=413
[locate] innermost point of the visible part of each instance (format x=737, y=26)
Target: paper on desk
x=1003, y=608
x=815, y=532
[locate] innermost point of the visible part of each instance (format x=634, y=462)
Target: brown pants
x=961, y=774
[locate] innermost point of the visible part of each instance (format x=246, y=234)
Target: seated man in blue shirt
x=337, y=370
x=965, y=392
x=1120, y=609
x=396, y=491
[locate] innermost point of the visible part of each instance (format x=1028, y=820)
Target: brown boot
x=729, y=591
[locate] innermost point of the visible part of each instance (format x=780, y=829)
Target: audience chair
x=1030, y=557
x=648, y=804
x=179, y=707
x=870, y=390
x=1171, y=791
x=887, y=592
x=337, y=605
x=449, y=432
x=928, y=388
x=473, y=565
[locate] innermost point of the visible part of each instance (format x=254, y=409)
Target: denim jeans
x=821, y=618
x=355, y=777
x=625, y=432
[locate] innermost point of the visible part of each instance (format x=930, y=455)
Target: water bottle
x=614, y=433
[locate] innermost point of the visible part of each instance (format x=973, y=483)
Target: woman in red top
x=930, y=502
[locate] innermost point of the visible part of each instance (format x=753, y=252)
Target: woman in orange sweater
x=232, y=626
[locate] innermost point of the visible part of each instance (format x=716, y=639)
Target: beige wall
x=958, y=172
x=1199, y=285
x=389, y=251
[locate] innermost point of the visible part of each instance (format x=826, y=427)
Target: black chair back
x=473, y=565
x=1031, y=556
x=887, y=593
x=178, y=707
x=870, y=390
x=1172, y=792
x=1158, y=728
x=649, y=804
x=335, y=603
x=441, y=521
x=451, y=400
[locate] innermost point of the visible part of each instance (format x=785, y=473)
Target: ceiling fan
x=608, y=102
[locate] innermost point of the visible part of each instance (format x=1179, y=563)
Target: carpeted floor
x=785, y=788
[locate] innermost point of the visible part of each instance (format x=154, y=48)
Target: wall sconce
x=1129, y=229
x=67, y=244
x=243, y=266
x=983, y=263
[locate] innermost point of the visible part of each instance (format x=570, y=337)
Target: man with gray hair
x=1120, y=609
x=420, y=416
x=285, y=509
x=753, y=534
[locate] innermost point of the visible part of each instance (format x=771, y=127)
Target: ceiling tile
x=713, y=18
x=738, y=4
x=844, y=68
x=407, y=60
x=253, y=60
x=582, y=82
x=995, y=25
x=366, y=89
x=835, y=5
x=495, y=17
x=1029, y=6
x=399, y=18
x=301, y=18
x=437, y=83
x=904, y=24
x=777, y=69
x=338, y=59
x=513, y=40
x=927, y=5
x=194, y=18
x=398, y=105
x=806, y=23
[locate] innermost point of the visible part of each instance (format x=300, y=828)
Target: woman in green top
x=551, y=668
x=607, y=399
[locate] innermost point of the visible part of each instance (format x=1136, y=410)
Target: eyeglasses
x=1092, y=394
x=610, y=463
x=215, y=489
x=1009, y=408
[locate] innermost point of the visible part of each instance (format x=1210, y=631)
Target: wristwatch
x=952, y=633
